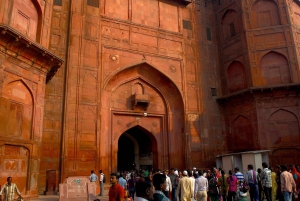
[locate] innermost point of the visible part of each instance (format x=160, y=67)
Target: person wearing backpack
x=102, y=180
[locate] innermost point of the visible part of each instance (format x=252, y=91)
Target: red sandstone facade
x=169, y=83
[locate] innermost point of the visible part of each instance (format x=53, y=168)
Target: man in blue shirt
x=93, y=177
x=122, y=181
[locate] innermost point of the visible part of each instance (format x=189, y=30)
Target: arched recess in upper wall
x=264, y=13
x=283, y=128
x=236, y=77
x=229, y=24
x=275, y=69
x=26, y=17
x=295, y=9
x=16, y=110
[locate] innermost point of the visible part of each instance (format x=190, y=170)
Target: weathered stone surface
x=217, y=78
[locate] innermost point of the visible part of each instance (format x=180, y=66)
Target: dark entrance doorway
x=135, y=149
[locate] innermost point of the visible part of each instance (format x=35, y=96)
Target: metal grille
x=187, y=24
x=57, y=2
x=94, y=3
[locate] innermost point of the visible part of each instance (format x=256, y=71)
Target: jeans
x=101, y=188
x=131, y=192
x=214, y=197
x=232, y=196
x=254, y=192
x=174, y=194
x=268, y=194
x=286, y=195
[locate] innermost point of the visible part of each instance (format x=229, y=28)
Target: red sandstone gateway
x=100, y=84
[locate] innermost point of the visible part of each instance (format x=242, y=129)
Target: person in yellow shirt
x=222, y=183
x=9, y=191
x=274, y=184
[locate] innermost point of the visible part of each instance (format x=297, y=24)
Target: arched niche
x=283, y=128
x=16, y=110
x=295, y=8
x=26, y=17
x=265, y=13
x=242, y=135
x=229, y=24
x=236, y=77
x=275, y=69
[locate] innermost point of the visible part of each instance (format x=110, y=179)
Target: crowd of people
x=207, y=185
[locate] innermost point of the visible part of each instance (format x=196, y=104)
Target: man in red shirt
x=116, y=191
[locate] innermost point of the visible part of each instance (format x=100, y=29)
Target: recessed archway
x=136, y=149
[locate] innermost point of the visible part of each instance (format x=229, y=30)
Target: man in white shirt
x=101, y=182
x=201, y=187
x=190, y=174
x=168, y=184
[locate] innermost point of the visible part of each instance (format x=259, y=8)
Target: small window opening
x=232, y=30
x=213, y=91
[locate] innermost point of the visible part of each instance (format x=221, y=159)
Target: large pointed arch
x=166, y=124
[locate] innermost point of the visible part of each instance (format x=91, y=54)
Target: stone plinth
x=77, y=188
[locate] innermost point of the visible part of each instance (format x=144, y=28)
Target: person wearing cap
x=185, y=190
